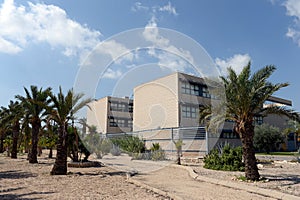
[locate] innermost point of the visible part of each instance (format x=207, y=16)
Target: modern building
x=111, y=115
x=167, y=109
x=172, y=102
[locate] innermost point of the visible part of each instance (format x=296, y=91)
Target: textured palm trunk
x=1, y=144
x=247, y=134
x=34, y=142
x=50, y=153
x=16, y=130
x=60, y=165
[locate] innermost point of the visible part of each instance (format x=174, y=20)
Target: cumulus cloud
x=237, y=62
x=20, y=25
x=293, y=10
x=172, y=56
x=111, y=74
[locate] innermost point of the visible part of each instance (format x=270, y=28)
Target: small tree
x=267, y=138
x=178, y=145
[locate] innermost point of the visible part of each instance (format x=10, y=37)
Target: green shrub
x=229, y=160
x=156, y=152
x=129, y=144
x=267, y=138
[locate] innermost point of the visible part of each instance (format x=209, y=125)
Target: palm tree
x=3, y=127
x=34, y=103
x=245, y=96
x=61, y=111
x=15, y=113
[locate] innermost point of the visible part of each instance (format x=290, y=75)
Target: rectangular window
x=258, y=120
x=189, y=111
x=205, y=92
x=112, y=122
x=121, y=107
x=194, y=89
x=120, y=122
x=130, y=108
x=129, y=123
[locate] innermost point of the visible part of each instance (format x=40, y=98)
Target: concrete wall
x=156, y=104
x=97, y=114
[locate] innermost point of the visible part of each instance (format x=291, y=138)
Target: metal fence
x=194, y=139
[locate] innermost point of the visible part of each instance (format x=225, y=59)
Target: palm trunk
x=50, y=152
x=60, y=165
x=14, y=150
x=34, y=142
x=247, y=134
x=1, y=144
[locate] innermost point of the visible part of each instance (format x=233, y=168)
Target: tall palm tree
x=3, y=127
x=61, y=111
x=34, y=103
x=245, y=96
x=15, y=113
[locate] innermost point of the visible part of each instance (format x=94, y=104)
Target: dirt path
x=177, y=181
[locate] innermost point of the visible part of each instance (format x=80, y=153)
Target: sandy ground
x=281, y=176
x=21, y=180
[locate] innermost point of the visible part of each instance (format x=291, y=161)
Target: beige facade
x=171, y=101
x=167, y=109
x=111, y=115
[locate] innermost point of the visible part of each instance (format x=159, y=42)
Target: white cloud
x=293, y=10
x=115, y=50
x=138, y=7
x=20, y=25
x=236, y=62
x=172, y=56
x=111, y=74
x=168, y=8
x=8, y=47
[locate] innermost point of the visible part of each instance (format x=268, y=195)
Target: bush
x=157, y=153
x=229, y=160
x=267, y=138
x=129, y=144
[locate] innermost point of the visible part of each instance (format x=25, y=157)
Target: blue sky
x=44, y=43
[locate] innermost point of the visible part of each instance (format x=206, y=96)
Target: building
x=167, y=109
x=111, y=115
x=173, y=101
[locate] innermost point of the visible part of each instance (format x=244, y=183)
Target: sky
x=54, y=43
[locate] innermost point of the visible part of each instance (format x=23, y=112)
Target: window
x=194, y=89
x=130, y=108
x=120, y=122
x=129, y=123
x=258, y=120
x=112, y=122
x=229, y=135
x=189, y=111
x=205, y=92
x=117, y=106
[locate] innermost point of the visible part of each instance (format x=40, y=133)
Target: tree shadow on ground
x=292, y=179
x=15, y=174
x=5, y=194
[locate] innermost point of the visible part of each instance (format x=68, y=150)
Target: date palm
x=245, y=96
x=34, y=103
x=14, y=113
x=3, y=127
x=61, y=111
